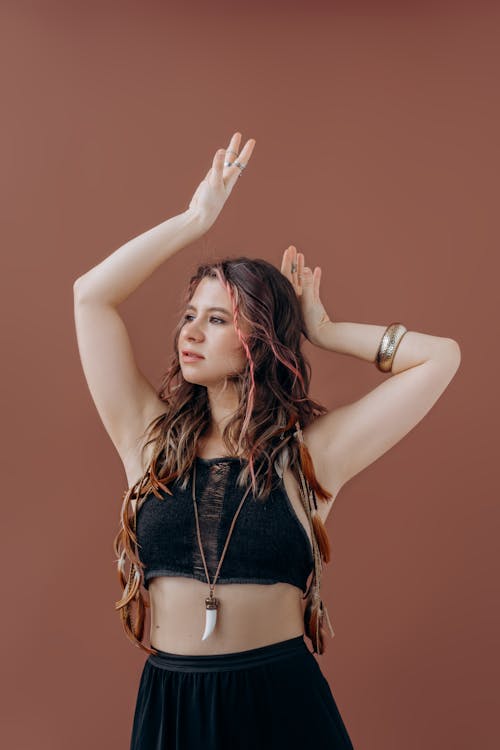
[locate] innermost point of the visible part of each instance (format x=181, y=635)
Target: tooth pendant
x=211, y=607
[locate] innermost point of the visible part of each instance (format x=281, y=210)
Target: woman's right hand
x=215, y=189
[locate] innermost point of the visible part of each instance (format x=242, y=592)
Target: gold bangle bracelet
x=389, y=345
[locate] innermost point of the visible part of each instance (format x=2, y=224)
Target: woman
x=232, y=471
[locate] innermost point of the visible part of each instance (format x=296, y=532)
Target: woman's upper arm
x=352, y=436
x=125, y=400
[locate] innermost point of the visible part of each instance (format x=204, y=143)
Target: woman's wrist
x=201, y=222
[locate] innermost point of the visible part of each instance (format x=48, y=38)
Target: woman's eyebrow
x=210, y=309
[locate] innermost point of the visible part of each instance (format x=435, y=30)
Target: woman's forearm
x=362, y=340
x=118, y=275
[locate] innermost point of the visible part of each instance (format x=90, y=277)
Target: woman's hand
x=306, y=285
x=214, y=190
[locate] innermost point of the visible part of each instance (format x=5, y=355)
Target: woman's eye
x=187, y=317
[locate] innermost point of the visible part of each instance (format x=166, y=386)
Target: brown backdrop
x=377, y=156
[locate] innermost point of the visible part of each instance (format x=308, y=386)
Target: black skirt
x=273, y=697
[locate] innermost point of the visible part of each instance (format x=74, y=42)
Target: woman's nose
x=192, y=331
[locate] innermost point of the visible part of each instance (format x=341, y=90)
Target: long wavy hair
x=273, y=407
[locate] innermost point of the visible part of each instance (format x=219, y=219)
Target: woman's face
x=211, y=334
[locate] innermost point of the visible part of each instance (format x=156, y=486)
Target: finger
x=234, y=171
x=290, y=262
x=232, y=151
x=283, y=262
x=286, y=263
x=300, y=270
x=308, y=287
x=214, y=162
x=311, y=284
x=231, y=155
x=294, y=265
x=247, y=151
x=316, y=280
x=218, y=164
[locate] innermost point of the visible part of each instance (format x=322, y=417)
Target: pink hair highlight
x=233, y=296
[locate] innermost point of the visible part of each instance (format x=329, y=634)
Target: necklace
x=212, y=604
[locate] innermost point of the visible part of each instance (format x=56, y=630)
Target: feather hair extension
x=315, y=612
x=308, y=468
x=310, y=483
x=322, y=536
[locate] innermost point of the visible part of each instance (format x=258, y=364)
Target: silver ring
x=240, y=165
x=294, y=267
x=228, y=163
x=230, y=151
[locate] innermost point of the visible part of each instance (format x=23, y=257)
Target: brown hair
x=273, y=406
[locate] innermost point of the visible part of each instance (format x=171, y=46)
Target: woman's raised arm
x=118, y=275
x=125, y=400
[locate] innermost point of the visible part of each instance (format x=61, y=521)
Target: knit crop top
x=269, y=544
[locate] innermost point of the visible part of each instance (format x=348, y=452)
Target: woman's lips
x=191, y=357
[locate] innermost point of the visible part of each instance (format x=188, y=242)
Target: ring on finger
x=238, y=164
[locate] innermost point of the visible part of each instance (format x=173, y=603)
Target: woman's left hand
x=306, y=285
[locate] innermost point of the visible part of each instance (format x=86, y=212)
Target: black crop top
x=269, y=544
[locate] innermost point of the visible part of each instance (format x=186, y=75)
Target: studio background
x=377, y=156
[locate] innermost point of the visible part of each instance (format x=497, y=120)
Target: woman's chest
x=257, y=538
x=291, y=499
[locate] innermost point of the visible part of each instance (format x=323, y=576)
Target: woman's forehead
x=210, y=292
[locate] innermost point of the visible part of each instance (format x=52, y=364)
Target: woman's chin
x=191, y=378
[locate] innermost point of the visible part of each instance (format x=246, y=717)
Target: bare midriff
x=249, y=615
